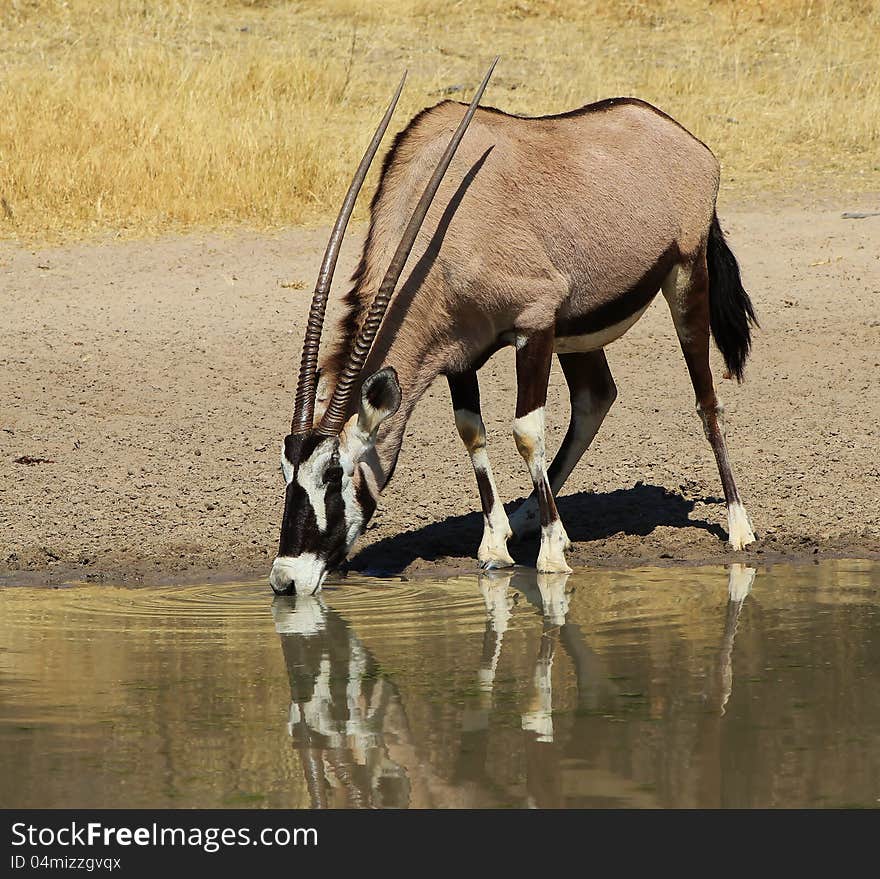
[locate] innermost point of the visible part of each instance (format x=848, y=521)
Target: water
x=666, y=687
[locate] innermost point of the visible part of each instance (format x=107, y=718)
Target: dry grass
x=138, y=116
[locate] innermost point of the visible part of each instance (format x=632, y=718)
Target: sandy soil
x=155, y=381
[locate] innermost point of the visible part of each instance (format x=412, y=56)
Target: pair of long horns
x=335, y=415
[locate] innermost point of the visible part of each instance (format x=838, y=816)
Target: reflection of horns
x=313, y=768
x=304, y=407
x=337, y=410
x=739, y=585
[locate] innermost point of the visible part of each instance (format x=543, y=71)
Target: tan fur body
x=572, y=222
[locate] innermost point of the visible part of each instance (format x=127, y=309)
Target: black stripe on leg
x=546, y=504
x=487, y=496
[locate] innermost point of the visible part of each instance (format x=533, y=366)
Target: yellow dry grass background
x=131, y=117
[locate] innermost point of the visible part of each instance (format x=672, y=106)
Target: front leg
x=532, y=374
x=465, y=391
x=591, y=391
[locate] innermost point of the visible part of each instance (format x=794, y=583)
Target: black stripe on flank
x=626, y=304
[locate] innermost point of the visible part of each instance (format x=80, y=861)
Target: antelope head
x=327, y=503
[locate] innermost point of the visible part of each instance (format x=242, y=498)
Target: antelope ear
x=380, y=399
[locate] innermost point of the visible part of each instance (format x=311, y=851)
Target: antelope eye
x=333, y=474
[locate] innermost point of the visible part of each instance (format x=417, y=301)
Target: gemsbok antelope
x=549, y=234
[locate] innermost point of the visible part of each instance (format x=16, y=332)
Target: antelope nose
x=281, y=577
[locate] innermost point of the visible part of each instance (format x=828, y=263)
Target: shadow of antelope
x=635, y=511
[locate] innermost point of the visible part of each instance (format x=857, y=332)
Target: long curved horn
x=304, y=407
x=334, y=417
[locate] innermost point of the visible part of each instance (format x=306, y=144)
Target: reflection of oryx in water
x=350, y=725
x=739, y=586
x=340, y=708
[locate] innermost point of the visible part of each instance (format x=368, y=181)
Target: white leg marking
x=496, y=529
x=528, y=432
x=739, y=528
x=526, y=518
x=551, y=555
x=587, y=415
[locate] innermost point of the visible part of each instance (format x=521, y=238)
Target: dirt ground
x=145, y=389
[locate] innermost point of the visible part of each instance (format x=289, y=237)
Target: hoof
x=496, y=563
x=740, y=543
x=553, y=566
x=739, y=528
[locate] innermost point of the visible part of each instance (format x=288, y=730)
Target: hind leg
x=465, y=391
x=687, y=292
x=592, y=392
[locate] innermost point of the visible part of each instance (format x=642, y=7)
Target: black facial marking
x=299, y=447
x=333, y=543
x=365, y=499
x=299, y=525
x=333, y=474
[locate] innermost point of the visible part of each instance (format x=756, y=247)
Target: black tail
x=731, y=314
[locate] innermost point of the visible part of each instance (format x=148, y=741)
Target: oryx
x=551, y=234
